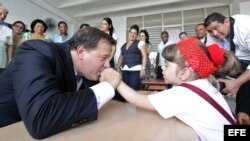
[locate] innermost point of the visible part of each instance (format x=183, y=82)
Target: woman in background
x=38, y=29
x=133, y=58
x=107, y=27
x=18, y=28
x=144, y=36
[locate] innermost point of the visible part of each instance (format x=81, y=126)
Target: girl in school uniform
x=190, y=65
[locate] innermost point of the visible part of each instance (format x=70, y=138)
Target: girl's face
x=171, y=73
x=142, y=36
x=105, y=26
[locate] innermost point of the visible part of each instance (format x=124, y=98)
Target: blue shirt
x=57, y=38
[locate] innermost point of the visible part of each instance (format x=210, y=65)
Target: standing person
x=107, y=27
x=201, y=34
x=133, y=58
x=161, y=46
x=6, y=40
x=63, y=34
x=18, y=28
x=60, y=94
x=144, y=36
x=188, y=65
x=236, y=31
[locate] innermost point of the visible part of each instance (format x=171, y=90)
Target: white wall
x=26, y=11
x=244, y=8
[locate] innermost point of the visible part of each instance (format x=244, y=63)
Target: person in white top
x=188, y=63
x=235, y=31
x=63, y=34
x=161, y=46
x=144, y=36
x=6, y=40
x=107, y=27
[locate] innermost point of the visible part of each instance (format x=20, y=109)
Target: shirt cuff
x=103, y=93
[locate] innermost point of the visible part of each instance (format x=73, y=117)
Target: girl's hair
x=147, y=36
x=111, y=28
x=231, y=66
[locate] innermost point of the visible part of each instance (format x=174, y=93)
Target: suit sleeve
x=44, y=108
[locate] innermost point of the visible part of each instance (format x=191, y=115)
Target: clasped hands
x=111, y=76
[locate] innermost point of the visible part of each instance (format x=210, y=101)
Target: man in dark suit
x=44, y=83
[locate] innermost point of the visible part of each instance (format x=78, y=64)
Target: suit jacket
x=39, y=87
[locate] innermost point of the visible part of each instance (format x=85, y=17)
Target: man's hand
x=111, y=76
x=231, y=87
x=243, y=118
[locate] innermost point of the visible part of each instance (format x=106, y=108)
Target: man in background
x=63, y=35
x=201, y=34
x=165, y=42
x=236, y=31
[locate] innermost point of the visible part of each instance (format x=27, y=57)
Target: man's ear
x=227, y=21
x=80, y=50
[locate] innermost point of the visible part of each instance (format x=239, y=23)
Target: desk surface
x=155, y=85
x=117, y=122
x=154, y=81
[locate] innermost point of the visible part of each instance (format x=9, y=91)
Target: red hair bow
x=216, y=54
x=196, y=58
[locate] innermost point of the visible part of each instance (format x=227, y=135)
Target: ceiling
x=82, y=10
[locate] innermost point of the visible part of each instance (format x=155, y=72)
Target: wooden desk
x=154, y=84
x=117, y=122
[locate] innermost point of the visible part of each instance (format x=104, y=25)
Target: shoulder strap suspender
x=210, y=100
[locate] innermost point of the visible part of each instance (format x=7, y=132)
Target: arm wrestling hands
x=111, y=76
